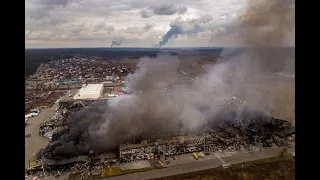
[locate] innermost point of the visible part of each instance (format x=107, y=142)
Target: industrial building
x=90, y=91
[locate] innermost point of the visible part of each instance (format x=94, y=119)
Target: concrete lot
x=35, y=142
x=188, y=158
x=135, y=165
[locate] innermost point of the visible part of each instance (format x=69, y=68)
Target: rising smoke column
x=116, y=43
x=185, y=27
x=150, y=107
x=265, y=30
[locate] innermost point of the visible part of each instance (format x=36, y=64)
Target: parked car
x=28, y=116
x=37, y=111
x=34, y=114
x=201, y=154
x=224, y=166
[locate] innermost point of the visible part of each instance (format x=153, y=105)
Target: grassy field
x=267, y=169
x=107, y=172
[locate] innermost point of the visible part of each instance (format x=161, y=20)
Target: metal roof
x=48, y=134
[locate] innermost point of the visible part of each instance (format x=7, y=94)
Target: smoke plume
x=116, y=43
x=158, y=105
x=190, y=26
x=265, y=30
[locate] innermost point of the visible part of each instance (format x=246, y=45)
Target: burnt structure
x=227, y=136
x=228, y=130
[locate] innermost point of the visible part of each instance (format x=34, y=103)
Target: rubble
x=228, y=136
x=80, y=164
x=228, y=132
x=57, y=122
x=40, y=99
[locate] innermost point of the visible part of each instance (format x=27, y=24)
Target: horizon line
x=125, y=47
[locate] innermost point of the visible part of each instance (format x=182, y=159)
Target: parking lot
x=136, y=165
x=34, y=142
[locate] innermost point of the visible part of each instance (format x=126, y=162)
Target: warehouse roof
x=91, y=91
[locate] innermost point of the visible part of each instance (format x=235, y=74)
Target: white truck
x=34, y=114
x=201, y=154
x=35, y=111
x=225, y=166
x=28, y=116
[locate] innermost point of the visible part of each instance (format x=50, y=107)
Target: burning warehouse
x=226, y=137
x=226, y=131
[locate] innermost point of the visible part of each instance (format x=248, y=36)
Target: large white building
x=90, y=91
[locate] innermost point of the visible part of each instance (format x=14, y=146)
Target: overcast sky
x=137, y=23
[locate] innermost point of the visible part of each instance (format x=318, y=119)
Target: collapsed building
x=228, y=136
x=224, y=133
x=46, y=167
x=229, y=130
x=56, y=125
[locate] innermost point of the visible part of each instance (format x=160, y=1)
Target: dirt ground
x=270, y=169
x=284, y=103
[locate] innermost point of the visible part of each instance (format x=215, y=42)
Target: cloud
x=102, y=26
x=163, y=9
x=93, y=19
x=168, y=9
x=140, y=29
x=77, y=28
x=148, y=26
x=39, y=35
x=38, y=9
x=146, y=13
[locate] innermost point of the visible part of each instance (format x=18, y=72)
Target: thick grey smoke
x=190, y=26
x=157, y=104
x=264, y=30
x=116, y=43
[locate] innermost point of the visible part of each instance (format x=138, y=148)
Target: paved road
x=201, y=165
